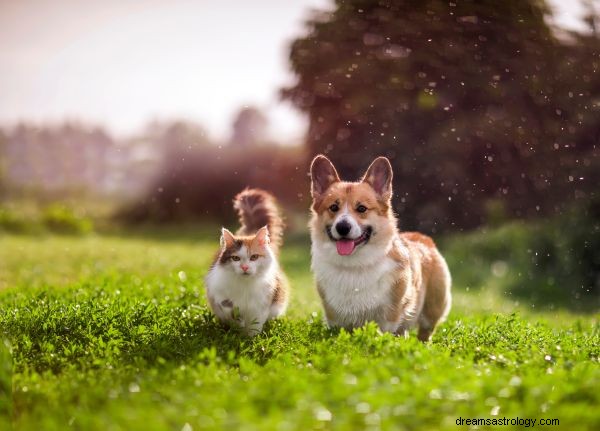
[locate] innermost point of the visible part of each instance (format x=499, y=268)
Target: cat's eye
x=254, y=257
x=361, y=208
x=334, y=208
x=235, y=258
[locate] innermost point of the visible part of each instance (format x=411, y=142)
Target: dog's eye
x=361, y=208
x=254, y=257
x=334, y=208
x=235, y=258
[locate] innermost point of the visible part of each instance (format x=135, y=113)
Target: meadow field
x=127, y=128
x=111, y=332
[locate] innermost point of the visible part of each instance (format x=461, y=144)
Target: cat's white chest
x=244, y=299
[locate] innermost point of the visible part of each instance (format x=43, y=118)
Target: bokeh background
x=133, y=116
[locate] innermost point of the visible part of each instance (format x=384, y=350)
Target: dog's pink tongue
x=345, y=246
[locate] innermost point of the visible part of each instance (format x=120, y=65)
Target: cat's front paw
x=252, y=331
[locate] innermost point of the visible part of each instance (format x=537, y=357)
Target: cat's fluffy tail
x=257, y=208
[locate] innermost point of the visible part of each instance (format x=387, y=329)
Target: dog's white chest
x=355, y=295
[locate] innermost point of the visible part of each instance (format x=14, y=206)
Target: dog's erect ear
x=227, y=238
x=379, y=176
x=323, y=174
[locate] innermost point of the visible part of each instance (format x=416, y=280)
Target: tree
x=465, y=98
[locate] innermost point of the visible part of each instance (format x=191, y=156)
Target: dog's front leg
x=330, y=313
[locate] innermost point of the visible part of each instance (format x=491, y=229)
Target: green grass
x=112, y=333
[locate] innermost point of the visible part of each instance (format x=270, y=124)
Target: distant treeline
x=72, y=159
x=486, y=112
x=169, y=172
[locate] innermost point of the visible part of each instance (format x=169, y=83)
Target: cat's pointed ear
x=379, y=176
x=262, y=236
x=322, y=174
x=227, y=238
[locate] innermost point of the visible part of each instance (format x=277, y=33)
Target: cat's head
x=245, y=255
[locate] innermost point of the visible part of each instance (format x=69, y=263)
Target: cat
x=245, y=286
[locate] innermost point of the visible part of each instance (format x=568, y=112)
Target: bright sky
x=122, y=63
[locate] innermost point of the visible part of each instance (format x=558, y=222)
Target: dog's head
x=352, y=217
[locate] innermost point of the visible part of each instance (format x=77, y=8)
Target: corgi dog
x=245, y=286
x=365, y=269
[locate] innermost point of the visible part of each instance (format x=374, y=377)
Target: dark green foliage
x=471, y=100
x=553, y=263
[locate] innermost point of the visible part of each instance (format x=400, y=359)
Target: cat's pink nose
x=244, y=267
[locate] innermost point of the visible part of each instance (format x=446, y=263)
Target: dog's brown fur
x=415, y=282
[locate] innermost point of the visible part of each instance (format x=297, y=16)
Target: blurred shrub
x=554, y=262
x=27, y=219
x=11, y=222
x=199, y=184
x=495, y=211
x=62, y=219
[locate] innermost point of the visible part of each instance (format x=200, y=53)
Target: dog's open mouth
x=345, y=247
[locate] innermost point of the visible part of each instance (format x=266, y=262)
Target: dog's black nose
x=343, y=228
